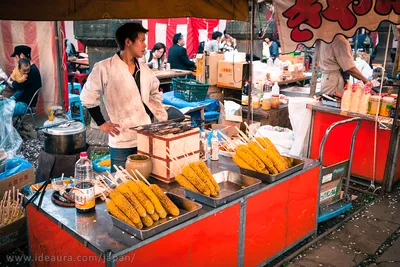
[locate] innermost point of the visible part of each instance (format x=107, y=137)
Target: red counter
x=338, y=144
x=249, y=231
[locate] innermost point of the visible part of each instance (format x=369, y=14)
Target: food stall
x=376, y=148
x=240, y=232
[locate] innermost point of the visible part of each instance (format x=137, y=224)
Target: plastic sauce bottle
x=275, y=89
x=214, y=146
x=356, y=98
x=204, y=154
x=266, y=102
x=84, y=187
x=245, y=94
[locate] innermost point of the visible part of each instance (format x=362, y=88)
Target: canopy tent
x=49, y=10
x=306, y=21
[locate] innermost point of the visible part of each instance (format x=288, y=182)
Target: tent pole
x=314, y=75
x=250, y=109
x=59, y=58
x=395, y=70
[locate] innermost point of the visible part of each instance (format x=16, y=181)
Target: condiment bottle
x=214, y=146
x=266, y=102
x=204, y=153
x=275, y=101
x=373, y=105
x=386, y=106
x=84, y=187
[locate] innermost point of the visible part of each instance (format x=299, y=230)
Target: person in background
x=19, y=75
x=273, y=47
x=177, y=55
x=29, y=86
x=3, y=80
x=265, y=51
x=155, y=59
x=336, y=58
x=213, y=45
x=228, y=43
x=129, y=91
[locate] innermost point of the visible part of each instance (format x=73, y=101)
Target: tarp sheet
x=305, y=21
x=50, y=10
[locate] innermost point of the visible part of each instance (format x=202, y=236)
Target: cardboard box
x=232, y=75
x=19, y=180
x=155, y=146
x=293, y=59
x=207, y=68
x=13, y=235
x=212, y=68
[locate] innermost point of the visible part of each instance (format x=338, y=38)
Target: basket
x=189, y=90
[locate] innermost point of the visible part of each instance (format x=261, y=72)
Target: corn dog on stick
x=123, y=204
x=116, y=212
x=250, y=158
x=146, y=203
x=168, y=205
x=147, y=221
x=204, y=178
x=241, y=163
x=263, y=156
x=206, y=170
x=155, y=216
x=196, y=181
x=181, y=179
x=128, y=194
x=153, y=198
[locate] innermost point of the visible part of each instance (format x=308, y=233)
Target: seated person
x=213, y=45
x=30, y=86
x=177, y=55
x=228, y=43
x=155, y=59
x=19, y=75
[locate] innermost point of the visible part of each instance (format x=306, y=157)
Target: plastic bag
x=282, y=138
x=10, y=141
x=300, y=119
x=14, y=166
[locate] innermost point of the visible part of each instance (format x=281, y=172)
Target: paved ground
x=370, y=238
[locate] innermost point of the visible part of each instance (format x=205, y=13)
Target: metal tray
x=188, y=209
x=270, y=178
x=233, y=186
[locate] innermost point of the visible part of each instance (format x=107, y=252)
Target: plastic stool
x=75, y=100
x=77, y=87
x=81, y=78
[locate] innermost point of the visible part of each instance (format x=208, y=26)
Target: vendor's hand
x=110, y=128
x=24, y=77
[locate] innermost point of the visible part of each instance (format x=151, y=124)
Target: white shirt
x=111, y=80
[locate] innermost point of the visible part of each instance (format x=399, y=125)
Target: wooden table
x=165, y=76
x=300, y=79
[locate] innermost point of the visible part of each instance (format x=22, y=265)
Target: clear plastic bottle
x=84, y=187
x=204, y=153
x=275, y=89
x=215, y=146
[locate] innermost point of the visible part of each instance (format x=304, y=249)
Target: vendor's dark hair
x=129, y=30
x=270, y=37
x=23, y=61
x=215, y=35
x=176, y=38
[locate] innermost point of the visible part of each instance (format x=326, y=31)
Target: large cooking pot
x=65, y=139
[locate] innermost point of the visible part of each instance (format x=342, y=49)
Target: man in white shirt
x=129, y=90
x=334, y=58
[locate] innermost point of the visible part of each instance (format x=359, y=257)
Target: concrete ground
x=370, y=238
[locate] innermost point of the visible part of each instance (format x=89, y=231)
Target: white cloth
x=111, y=80
x=265, y=51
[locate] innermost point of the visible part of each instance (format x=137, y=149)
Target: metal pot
x=66, y=139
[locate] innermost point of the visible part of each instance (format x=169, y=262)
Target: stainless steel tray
x=188, y=209
x=233, y=185
x=270, y=178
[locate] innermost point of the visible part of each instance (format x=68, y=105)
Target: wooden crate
x=155, y=146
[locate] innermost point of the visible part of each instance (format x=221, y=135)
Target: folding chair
x=29, y=111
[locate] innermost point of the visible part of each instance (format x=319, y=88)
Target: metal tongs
x=41, y=191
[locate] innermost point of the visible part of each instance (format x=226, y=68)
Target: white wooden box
x=155, y=146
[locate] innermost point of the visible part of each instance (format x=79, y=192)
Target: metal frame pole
x=59, y=58
x=252, y=11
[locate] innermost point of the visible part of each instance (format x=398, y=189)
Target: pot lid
x=67, y=128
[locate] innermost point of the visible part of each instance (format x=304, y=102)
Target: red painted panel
x=302, y=206
x=52, y=246
x=266, y=220
x=212, y=241
x=337, y=146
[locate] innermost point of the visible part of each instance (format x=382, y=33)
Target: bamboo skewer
x=169, y=169
x=112, y=178
x=136, y=179
x=141, y=176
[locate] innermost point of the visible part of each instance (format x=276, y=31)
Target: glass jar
x=255, y=101
x=386, y=106
x=275, y=101
x=373, y=104
x=266, y=102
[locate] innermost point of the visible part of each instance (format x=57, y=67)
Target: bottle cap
x=83, y=155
